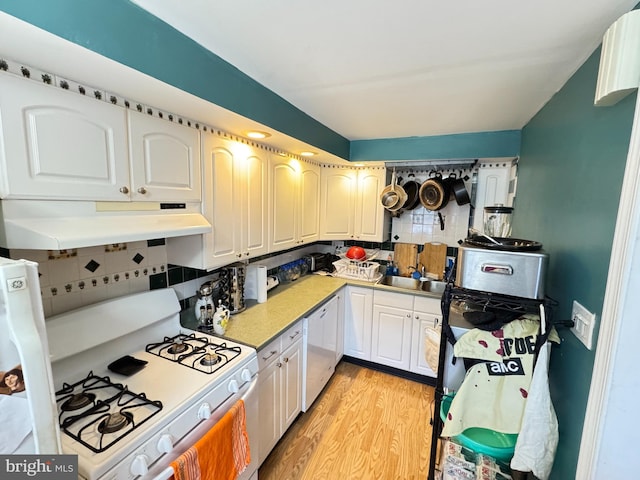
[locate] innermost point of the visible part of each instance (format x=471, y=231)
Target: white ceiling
x=371, y=69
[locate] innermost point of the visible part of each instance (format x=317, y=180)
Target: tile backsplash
x=73, y=278
x=422, y=226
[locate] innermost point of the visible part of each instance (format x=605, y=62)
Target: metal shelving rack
x=487, y=300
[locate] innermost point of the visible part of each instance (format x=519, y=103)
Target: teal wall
x=505, y=143
x=127, y=34
x=569, y=181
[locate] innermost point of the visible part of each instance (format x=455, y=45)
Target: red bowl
x=356, y=253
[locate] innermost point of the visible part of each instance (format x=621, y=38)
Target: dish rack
x=357, y=270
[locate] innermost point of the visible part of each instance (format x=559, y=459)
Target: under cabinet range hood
x=60, y=225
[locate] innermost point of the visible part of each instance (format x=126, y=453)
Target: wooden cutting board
x=434, y=258
x=405, y=255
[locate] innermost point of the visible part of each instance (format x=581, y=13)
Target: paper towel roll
x=261, y=282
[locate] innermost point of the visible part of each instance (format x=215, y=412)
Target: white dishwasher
x=319, y=346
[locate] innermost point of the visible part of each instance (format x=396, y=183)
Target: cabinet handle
x=271, y=354
x=294, y=335
x=417, y=317
x=279, y=365
x=142, y=190
x=124, y=190
x=239, y=255
x=286, y=359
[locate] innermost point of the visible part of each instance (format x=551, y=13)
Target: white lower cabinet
x=279, y=387
x=391, y=329
x=426, y=313
x=357, y=322
x=388, y=328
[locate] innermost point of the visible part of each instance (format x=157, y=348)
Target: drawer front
x=392, y=299
x=270, y=353
x=426, y=304
x=292, y=335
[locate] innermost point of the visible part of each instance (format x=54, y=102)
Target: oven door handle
x=162, y=469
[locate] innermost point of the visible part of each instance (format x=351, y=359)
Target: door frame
x=619, y=311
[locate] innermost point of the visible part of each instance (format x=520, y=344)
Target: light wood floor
x=365, y=425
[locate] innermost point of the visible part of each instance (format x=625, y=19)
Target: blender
x=497, y=221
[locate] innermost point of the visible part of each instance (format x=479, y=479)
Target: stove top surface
x=107, y=416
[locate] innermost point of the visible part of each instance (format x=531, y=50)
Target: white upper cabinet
x=165, y=160
x=350, y=203
x=284, y=195
x=235, y=203
x=309, y=218
x=369, y=214
x=337, y=200
x=294, y=192
x=60, y=145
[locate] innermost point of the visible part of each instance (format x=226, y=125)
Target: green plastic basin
x=482, y=440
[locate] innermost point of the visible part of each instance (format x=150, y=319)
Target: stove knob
x=233, y=386
x=246, y=375
x=204, y=412
x=140, y=465
x=165, y=444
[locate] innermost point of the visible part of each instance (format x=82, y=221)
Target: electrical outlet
x=583, y=323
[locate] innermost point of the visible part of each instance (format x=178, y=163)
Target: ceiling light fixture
x=307, y=154
x=258, y=134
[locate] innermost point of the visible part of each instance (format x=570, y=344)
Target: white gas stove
x=131, y=383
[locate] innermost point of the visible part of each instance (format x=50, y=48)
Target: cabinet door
x=60, y=145
x=221, y=205
x=309, y=230
x=269, y=409
x=291, y=385
x=165, y=160
x=357, y=322
x=369, y=214
x=421, y=320
x=284, y=197
x=254, y=193
x=391, y=336
x=337, y=203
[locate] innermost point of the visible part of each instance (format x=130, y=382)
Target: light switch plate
x=583, y=323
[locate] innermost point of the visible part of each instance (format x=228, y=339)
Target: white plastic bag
x=432, y=345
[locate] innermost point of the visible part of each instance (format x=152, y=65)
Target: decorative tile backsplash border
x=73, y=278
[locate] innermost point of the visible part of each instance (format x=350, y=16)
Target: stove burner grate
x=112, y=414
x=203, y=354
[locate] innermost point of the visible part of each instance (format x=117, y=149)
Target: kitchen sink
x=433, y=286
x=401, y=282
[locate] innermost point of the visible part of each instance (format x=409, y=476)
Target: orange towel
x=221, y=454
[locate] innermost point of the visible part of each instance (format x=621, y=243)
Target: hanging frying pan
x=434, y=193
x=459, y=190
x=412, y=189
x=393, y=196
